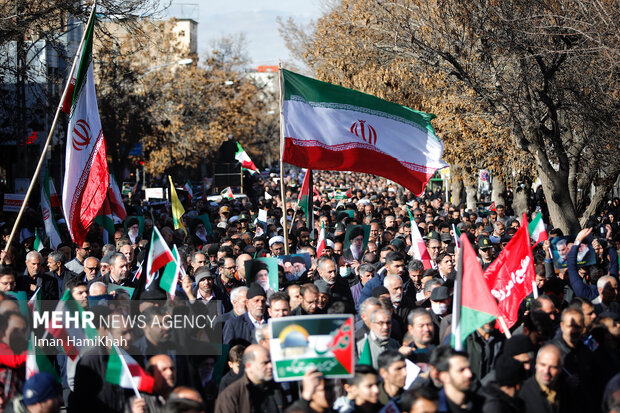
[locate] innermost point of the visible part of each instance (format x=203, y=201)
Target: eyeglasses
x=86, y=248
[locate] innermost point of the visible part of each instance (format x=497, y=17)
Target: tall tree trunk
x=497, y=192
x=602, y=189
x=456, y=185
x=561, y=208
x=519, y=203
x=472, y=194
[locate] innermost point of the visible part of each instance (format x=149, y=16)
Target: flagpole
x=49, y=135
x=282, y=192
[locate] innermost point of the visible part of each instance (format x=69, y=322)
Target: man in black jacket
x=547, y=391
x=240, y=330
x=34, y=278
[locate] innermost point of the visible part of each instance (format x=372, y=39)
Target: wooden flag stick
x=49, y=137
x=282, y=190
x=502, y=322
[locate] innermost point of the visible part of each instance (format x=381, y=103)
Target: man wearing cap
x=276, y=245
x=324, y=297
x=205, y=291
x=241, y=329
x=485, y=252
x=440, y=305
x=41, y=393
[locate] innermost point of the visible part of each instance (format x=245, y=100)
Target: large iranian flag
x=473, y=304
x=51, y=229
x=86, y=168
x=538, y=233
x=333, y=128
x=244, y=159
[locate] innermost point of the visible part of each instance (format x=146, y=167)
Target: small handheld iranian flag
x=125, y=372
x=305, y=199
x=37, y=361
x=473, y=305
x=320, y=244
x=170, y=277
x=35, y=301
x=417, y=244
x=159, y=255
x=244, y=160
x=537, y=229
x=189, y=189
x=47, y=202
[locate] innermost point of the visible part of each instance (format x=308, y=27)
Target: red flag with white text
x=510, y=276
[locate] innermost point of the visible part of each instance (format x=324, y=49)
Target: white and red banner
x=86, y=168
x=510, y=276
x=333, y=128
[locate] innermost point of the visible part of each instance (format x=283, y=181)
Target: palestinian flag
x=320, y=244
x=537, y=229
x=227, y=193
x=417, y=244
x=365, y=355
x=492, y=206
x=38, y=244
x=159, y=254
x=332, y=128
x=170, y=277
x=105, y=219
x=37, y=361
x=85, y=186
x=305, y=199
x=189, y=189
x=177, y=208
x=125, y=372
x=473, y=305
x=244, y=160
x=68, y=305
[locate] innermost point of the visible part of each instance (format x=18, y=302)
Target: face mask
x=345, y=271
x=439, y=308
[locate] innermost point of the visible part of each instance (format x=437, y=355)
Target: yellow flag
x=177, y=208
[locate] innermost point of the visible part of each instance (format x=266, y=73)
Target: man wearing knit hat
x=241, y=329
x=501, y=395
x=41, y=393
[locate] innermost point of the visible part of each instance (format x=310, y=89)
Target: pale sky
x=255, y=18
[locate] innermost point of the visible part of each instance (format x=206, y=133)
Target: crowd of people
x=563, y=354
